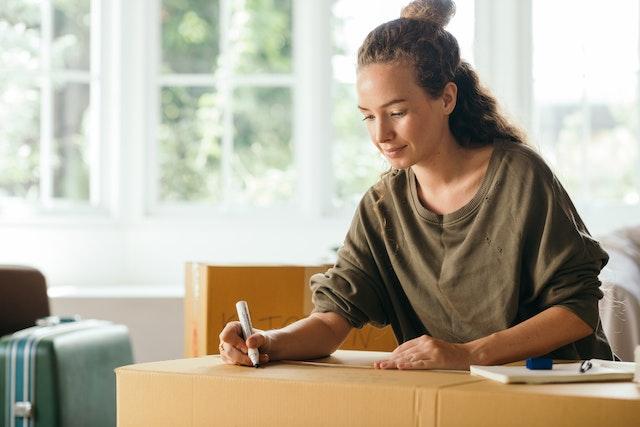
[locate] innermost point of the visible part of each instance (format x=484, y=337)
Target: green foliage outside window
x=19, y=139
x=70, y=160
x=190, y=35
x=356, y=163
x=71, y=34
x=261, y=36
x=190, y=145
x=192, y=121
x=574, y=138
x=19, y=99
x=263, y=160
x=21, y=96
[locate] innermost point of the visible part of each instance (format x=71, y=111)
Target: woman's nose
x=384, y=131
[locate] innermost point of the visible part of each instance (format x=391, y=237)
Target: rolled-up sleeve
x=353, y=287
x=563, y=259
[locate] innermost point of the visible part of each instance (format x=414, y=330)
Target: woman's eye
x=398, y=113
x=369, y=117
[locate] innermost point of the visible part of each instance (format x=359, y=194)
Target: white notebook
x=601, y=370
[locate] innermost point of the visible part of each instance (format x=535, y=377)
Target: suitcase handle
x=56, y=320
x=23, y=409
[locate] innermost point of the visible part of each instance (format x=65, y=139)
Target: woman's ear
x=449, y=97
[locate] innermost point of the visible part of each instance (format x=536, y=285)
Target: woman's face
x=404, y=122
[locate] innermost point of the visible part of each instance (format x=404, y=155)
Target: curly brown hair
x=418, y=38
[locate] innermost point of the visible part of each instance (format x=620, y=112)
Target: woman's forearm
x=315, y=336
x=539, y=335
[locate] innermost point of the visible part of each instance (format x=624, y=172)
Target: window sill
x=150, y=291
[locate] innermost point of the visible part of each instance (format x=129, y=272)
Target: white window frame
x=103, y=126
x=223, y=82
x=504, y=60
x=125, y=111
x=503, y=54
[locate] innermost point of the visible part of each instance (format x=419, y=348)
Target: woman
x=469, y=246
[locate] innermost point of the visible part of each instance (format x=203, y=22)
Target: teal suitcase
x=60, y=373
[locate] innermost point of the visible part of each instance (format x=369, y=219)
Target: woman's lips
x=394, y=152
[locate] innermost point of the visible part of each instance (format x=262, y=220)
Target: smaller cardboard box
x=333, y=392
x=276, y=295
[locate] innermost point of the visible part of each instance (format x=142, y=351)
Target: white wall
x=153, y=254
x=155, y=322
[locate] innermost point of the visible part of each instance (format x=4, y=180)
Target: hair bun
x=438, y=12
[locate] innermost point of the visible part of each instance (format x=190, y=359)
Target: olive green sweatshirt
x=517, y=248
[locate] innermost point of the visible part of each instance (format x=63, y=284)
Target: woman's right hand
x=233, y=349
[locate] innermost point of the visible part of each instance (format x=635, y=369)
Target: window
x=224, y=124
x=586, y=97
x=220, y=126
x=47, y=82
x=356, y=163
x=199, y=108
x=224, y=81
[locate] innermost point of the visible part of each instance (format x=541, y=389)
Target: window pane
x=261, y=36
x=190, y=150
x=19, y=99
x=20, y=35
x=587, y=117
x=263, y=157
x=71, y=142
x=71, y=34
x=356, y=164
x=19, y=139
x=190, y=36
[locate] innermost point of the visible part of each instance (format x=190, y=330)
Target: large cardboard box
x=205, y=392
x=277, y=296
x=492, y=404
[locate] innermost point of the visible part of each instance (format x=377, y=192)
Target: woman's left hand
x=426, y=352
